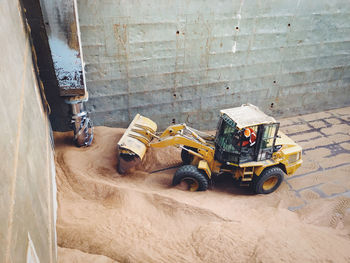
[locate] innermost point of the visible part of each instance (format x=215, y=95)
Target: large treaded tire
x=269, y=180
x=186, y=157
x=190, y=172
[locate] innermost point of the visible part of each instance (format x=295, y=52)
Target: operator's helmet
x=247, y=132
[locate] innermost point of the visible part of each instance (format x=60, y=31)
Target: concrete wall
x=27, y=187
x=184, y=60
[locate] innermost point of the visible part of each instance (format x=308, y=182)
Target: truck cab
x=232, y=134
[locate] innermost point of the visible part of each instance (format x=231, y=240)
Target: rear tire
x=186, y=157
x=269, y=180
x=190, y=175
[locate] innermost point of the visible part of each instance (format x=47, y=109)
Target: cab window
x=228, y=137
x=268, y=136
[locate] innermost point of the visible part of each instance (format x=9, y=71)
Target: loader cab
x=231, y=142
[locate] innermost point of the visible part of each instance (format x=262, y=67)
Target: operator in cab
x=249, y=137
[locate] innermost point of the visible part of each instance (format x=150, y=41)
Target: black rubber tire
x=274, y=174
x=186, y=157
x=191, y=171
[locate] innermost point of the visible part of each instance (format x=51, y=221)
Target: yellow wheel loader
x=248, y=146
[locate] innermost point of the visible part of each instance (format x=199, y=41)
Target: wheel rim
x=191, y=184
x=270, y=183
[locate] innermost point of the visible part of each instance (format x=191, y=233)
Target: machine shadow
x=226, y=184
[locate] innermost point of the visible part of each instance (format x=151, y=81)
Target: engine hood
x=284, y=140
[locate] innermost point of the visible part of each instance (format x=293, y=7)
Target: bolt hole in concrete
x=174, y=95
x=237, y=27
x=227, y=88
x=274, y=81
x=173, y=121
x=271, y=106
x=288, y=24
x=177, y=32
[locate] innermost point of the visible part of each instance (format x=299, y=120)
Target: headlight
x=294, y=157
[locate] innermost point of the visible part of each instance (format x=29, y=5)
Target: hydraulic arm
x=142, y=134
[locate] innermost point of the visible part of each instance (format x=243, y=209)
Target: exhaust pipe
x=81, y=123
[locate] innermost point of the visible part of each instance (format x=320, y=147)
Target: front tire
x=269, y=180
x=192, y=177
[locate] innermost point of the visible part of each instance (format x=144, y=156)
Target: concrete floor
x=325, y=138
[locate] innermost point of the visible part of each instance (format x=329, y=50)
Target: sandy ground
x=106, y=217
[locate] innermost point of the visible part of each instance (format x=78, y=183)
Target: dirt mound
x=141, y=218
x=77, y=256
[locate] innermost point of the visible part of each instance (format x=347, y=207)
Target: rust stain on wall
x=73, y=41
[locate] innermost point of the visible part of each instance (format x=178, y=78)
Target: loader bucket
x=133, y=144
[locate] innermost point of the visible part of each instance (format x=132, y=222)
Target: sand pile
x=106, y=217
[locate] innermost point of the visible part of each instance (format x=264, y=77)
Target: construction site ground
x=140, y=217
